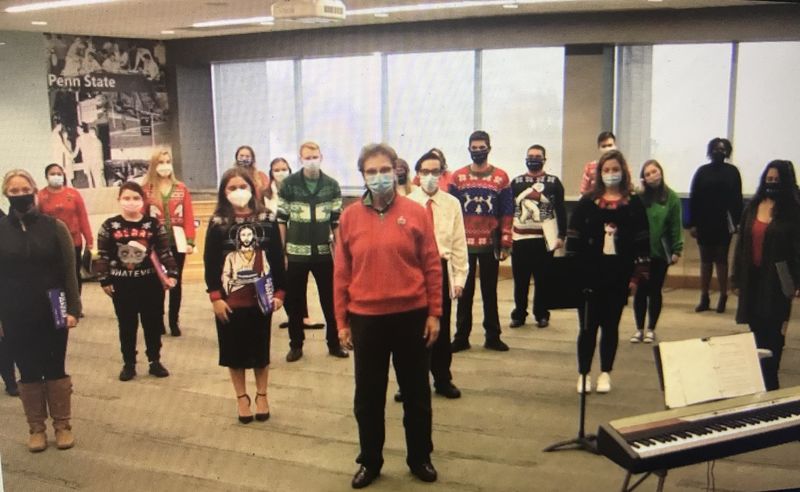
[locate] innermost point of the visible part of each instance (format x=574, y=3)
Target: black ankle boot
x=723, y=300
x=704, y=304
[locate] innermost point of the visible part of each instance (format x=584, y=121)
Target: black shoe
x=448, y=391
x=128, y=372
x=12, y=391
x=363, y=477
x=425, y=472
x=285, y=324
x=314, y=326
x=496, y=344
x=175, y=330
x=516, y=323
x=398, y=397
x=338, y=352
x=157, y=370
x=163, y=328
x=294, y=354
x=245, y=419
x=704, y=304
x=723, y=300
x=262, y=417
x=543, y=322
x=459, y=344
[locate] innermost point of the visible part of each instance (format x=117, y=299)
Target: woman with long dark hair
x=766, y=265
x=608, y=232
x=242, y=247
x=666, y=245
x=246, y=159
x=715, y=206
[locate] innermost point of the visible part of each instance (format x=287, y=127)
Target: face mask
x=56, y=180
x=240, y=197
x=772, y=190
x=131, y=206
x=653, y=182
x=21, y=203
x=479, y=156
x=402, y=179
x=380, y=184
x=280, y=175
x=164, y=170
x=429, y=183
x=312, y=164
x=717, y=156
x=244, y=161
x=612, y=179
x=535, y=164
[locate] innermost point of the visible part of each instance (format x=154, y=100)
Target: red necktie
x=429, y=208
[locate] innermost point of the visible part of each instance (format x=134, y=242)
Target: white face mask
x=132, y=206
x=56, y=180
x=164, y=170
x=240, y=197
x=312, y=164
x=429, y=183
x=280, y=175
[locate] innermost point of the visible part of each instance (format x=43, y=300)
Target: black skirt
x=244, y=340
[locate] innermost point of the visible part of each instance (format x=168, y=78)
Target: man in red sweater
x=485, y=194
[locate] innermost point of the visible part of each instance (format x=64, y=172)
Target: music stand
x=563, y=292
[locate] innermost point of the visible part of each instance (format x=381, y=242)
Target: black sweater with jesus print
x=124, y=248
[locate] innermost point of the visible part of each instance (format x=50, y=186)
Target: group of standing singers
x=268, y=233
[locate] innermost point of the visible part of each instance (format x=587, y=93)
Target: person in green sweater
x=666, y=245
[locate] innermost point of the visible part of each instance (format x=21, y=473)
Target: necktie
x=429, y=208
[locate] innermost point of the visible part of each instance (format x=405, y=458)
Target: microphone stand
x=584, y=442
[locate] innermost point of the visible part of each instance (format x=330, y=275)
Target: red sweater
x=179, y=205
x=68, y=207
x=386, y=262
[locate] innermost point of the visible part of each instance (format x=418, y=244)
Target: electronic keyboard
x=703, y=432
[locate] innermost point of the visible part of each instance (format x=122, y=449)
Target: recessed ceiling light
x=233, y=22
x=168, y=31
x=39, y=23
x=2, y=43
x=55, y=4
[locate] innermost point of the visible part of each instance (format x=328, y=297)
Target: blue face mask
x=380, y=184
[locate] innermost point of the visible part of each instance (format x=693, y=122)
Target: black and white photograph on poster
x=106, y=121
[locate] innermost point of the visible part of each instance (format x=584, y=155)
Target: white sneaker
x=588, y=384
x=649, y=336
x=604, y=382
x=637, y=336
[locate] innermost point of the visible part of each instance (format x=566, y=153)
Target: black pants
x=489, y=267
x=37, y=347
x=605, y=311
x=648, y=298
x=136, y=298
x=176, y=293
x=442, y=351
x=296, y=305
x=768, y=336
x=529, y=257
x=7, y=365
x=375, y=340
x=78, y=263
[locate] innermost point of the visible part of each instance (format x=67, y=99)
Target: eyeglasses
x=430, y=172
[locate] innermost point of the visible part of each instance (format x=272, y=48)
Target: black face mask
x=718, y=156
x=534, y=164
x=479, y=156
x=772, y=190
x=21, y=203
x=402, y=179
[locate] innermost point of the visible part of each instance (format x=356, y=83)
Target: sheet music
x=451, y=274
x=699, y=370
x=180, y=238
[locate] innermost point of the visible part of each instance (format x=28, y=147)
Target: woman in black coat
x=766, y=267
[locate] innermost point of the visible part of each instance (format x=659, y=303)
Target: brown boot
x=34, y=402
x=59, y=396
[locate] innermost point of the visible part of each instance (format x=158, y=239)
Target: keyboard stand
x=661, y=474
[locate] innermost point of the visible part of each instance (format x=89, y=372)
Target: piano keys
x=704, y=432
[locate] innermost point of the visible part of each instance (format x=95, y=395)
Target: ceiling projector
x=309, y=11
